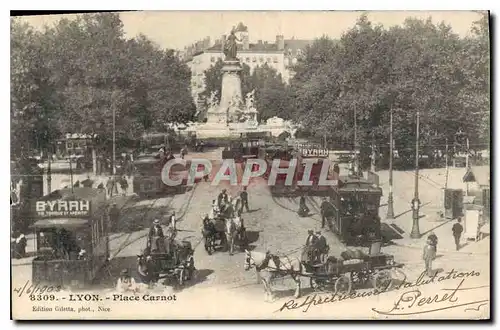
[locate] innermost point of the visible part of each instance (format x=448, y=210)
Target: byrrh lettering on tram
x=72, y=238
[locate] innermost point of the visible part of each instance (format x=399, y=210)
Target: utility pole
x=356, y=161
x=415, y=203
x=467, y=154
x=447, y=168
x=114, y=145
x=373, y=166
x=390, y=200
x=49, y=174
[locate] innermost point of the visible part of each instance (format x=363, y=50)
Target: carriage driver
x=156, y=232
x=222, y=198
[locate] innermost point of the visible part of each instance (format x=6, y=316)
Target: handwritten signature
x=408, y=300
x=412, y=298
x=35, y=288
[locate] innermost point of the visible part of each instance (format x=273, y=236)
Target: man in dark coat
x=433, y=239
x=457, y=230
x=324, y=209
x=311, y=238
x=114, y=216
x=156, y=232
x=302, y=205
x=244, y=199
x=222, y=198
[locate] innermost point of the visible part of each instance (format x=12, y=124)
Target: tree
x=34, y=103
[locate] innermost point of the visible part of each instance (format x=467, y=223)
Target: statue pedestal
x=231, y=88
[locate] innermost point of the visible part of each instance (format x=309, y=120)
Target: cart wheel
x=208, y=245
x=382, y=280
x=181, y=277
x=398, y=276
x=317, y=285
x=343, y=284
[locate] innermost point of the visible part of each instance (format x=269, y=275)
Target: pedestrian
x=77, y=184
x=302, y=205
x=429, y=255
x=457, y=230
x=114, y=216
x=434, y=240
x=244, y=200
x=124, y=185
x=336, y=168
x=126, y=283
x=323, y=208
x=110, y=186
x=87, y=183
x=172, y=220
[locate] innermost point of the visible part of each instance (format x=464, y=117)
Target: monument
x=230, y=114
x=230, y=108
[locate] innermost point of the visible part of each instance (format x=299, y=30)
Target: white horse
x=269, y=267
x=234, y=230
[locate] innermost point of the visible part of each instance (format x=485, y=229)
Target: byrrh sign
x=63, y=208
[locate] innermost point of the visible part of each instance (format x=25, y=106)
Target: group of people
x=315, y=246
x=227, y=205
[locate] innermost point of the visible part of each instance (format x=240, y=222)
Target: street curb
x=442, y=250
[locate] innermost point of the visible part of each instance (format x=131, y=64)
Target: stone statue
x=212, y=100
x=250, y=100
x=231, y=47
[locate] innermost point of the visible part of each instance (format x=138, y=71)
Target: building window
x=219, y=58
x=247, y=59
x=254, y=59
x=261, y=59
x=268, y=60
x=275, y=59
x=212, y=59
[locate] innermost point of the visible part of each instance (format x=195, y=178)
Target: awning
x=60, y=222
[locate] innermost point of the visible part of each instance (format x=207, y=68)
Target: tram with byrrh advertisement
x=285, y=154
x=71, y=236
x=148, y=170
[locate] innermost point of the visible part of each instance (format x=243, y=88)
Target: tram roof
x=77, y=192
x=60, y=223
x=354, y=184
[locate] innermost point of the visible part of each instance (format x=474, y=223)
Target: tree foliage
x=72, y=77
x=417, y=67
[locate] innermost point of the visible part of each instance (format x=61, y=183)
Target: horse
x=234, y=230
x=269, y=267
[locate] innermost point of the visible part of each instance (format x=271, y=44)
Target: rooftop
x=479, y=174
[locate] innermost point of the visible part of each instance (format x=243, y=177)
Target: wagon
x=177, y=265
x=340, y=276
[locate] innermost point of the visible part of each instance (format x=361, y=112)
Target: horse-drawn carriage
x=221, y=228
x=333, y=274
x=353, y=268
x=164, y=257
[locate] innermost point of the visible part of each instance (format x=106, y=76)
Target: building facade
x=281, y=54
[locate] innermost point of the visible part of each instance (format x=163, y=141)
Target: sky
x=177, y=29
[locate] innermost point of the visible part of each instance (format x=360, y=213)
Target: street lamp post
x=415, y=203
x=390, y=200
x=114, y=144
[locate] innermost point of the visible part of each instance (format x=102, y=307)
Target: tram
x=353, y=210
x=72, y=237
x=285, y=154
